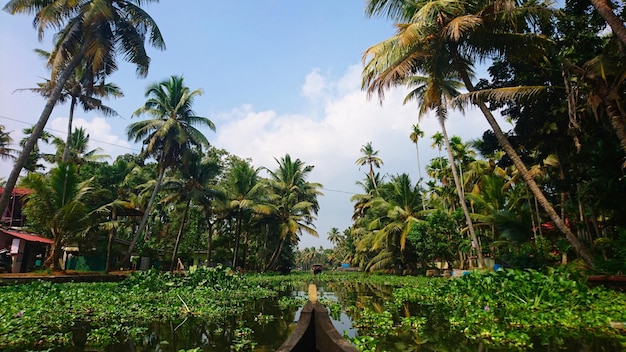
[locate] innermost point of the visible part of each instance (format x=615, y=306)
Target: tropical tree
x=33, y=161
x=58, y=203
x=78, y=152
x=79, y=89
x=371, y=159
x=458, y=32
x=244, y=195
x=605, y=9
x=334, y=236
x=6, y=152
x=91, y=32
x=415, y=136
x=193, y=186
x=295, y=202
x=398, y=210
x=170, y=137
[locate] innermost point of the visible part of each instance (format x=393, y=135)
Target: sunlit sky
x=278, y=77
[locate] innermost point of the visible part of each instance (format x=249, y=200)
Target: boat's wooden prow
x=315, y=331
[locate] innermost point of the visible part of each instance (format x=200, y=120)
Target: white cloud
x=332, y=143
x=316, y=86
x=100, y=135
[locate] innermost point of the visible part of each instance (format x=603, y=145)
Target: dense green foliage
x=502, y=310
x=43, y=315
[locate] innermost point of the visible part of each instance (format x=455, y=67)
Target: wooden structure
x=315, y=331
x=613, y=282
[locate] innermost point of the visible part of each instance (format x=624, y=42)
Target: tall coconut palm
x=371, y=159
x=604, y=8
x=58, y=202
x=415, y=136
x=93, y=32
x=437, y=141
x=462, y=31
x=80, y=88
x=334, y=236
x=244, y=195
x=295, y=202
x=192, y=187
x=170, y=137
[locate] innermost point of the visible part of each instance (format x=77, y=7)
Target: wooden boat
x=315, y=331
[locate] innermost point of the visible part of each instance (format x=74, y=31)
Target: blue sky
x=278, y=77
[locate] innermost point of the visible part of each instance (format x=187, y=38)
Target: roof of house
x=19, y=191
x=27, y=236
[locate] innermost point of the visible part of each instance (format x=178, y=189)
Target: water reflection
x=267, y=323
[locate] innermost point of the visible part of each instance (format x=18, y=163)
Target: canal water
x=269, y=322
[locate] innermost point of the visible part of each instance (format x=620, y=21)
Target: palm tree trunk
x=38, y=128
x=107, y=265
x=180, y=234
x=274, y=256
x=52, y=262
x=209, y=241
x=68, y=139
x=146, y=214
x=419, y=173
x=237, y=240
x=616, y=24
x=459, y=190
x=578, y=247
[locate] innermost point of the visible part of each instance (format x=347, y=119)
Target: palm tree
x=415, y=136
x=192, y=188
x=437, y=141
x=6, y=152
x=32, y=162
x=170, y=137
x=244, y=195
x=78, y=153
x=295, y=202
x=606, y=11
x=334, y=236
x=371, y=159
x=458, y=32
x=79, y=89
x=58, y=202
x=93, y=32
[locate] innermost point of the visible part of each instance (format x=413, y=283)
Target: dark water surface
x=267, y=324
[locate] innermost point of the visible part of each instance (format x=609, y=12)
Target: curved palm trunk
x=579, y=248
x=180, y=234
x=146, y=214
x=616, y=24
x=459, y=191
x=38, y=128
x=68, y=140
x=275, y=255
x=52, y=262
